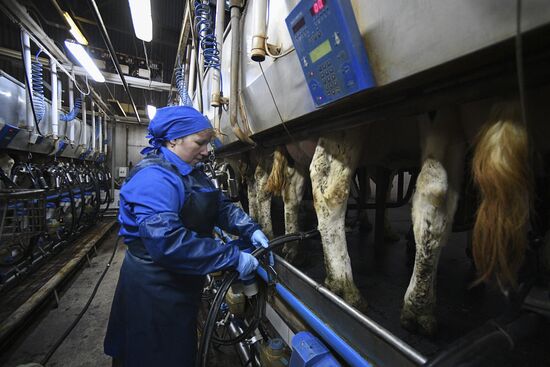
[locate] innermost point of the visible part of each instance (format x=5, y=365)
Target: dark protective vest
x=200, y=208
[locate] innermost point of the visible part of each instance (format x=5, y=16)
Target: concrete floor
x=84, y=346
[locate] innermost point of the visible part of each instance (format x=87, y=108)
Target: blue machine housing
x=308, y=351
x=330, y=48
x=7, y=133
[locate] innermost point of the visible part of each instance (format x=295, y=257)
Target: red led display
x=318, y=5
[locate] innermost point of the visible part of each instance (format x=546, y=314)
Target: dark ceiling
x=167, y=19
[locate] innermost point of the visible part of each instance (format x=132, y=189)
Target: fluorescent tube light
x=85, y=60
x=75, y=31
x=141, y=17
x=151, y=111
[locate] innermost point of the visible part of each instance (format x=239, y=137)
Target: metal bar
x=54, y=114
x=377, y=330
x=112, y=53
x=27, y=53
x=93, y=126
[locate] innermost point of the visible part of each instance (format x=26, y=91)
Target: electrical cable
x=275, y=103
x=62, y=338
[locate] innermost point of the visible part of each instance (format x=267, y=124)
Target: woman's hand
x=247, y=264
x=259, y=239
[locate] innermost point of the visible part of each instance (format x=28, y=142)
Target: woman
x=168, y=209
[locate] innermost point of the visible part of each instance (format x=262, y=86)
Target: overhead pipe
x=71, y=106
x=112, y=53
x=27, y=62
x=83, y=133
x=93, y=126
x=192, y=72
x=100, y=137
x=235, y=6
x=216, y=74
x=259, y=36
x=54, y=112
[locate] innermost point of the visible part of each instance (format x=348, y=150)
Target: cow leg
x=331, y=171
x=292, y=197
x=263, y=199
x=434, y=205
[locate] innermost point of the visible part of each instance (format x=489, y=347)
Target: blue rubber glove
x=259, y=239
x=247, y=264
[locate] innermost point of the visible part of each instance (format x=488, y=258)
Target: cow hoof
x=290, y=252
x=423, y=324
x=348, y=293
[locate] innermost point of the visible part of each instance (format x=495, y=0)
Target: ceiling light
x=75, y=31
x=141, y=17
x=85, y=60
x=151, y=111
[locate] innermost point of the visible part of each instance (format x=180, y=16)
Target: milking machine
x=44, y=208
x=56, y=186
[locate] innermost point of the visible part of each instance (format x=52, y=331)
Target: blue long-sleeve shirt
x=150, y=206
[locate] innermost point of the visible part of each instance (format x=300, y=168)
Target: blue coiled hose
x=74, y=112
x=182, y=86
x=207, y=38
x=38, y=89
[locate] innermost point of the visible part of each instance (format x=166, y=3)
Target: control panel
x=330, y=48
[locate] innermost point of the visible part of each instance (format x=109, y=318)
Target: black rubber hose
x=76, y=321
x=478, y=347
x=210, y=323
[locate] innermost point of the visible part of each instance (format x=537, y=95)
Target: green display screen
x=320, y=51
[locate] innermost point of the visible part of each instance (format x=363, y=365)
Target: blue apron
x=154, y=312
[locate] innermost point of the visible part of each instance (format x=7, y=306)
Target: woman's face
x=192, y=148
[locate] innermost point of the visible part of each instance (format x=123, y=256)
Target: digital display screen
x=320, y=51
x=298, y=25
x=318, y=5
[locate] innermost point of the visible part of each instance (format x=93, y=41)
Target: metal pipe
x=113, y=155
x=259, y=36
x=71, y=107
x=27, y=63
x=105, y=134
x=186, y=69
x=55, y=97
x=328, y=335
x=384, y=334
x=242, y=349
x=112, y=53
x=216, y=74
x=93, y=126
x=83, y=133
x=192, y=73
x=234, y=73
x=100, y=137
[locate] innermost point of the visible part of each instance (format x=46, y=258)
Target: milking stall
x=302, y=183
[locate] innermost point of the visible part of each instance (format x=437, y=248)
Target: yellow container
x=274, y=354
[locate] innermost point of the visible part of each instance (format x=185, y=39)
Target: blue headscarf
x=174, y=122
